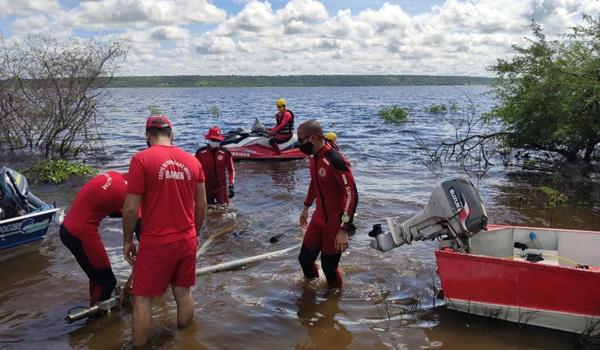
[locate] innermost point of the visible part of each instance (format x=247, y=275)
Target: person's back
x=103, y=195
x=168, y=183
x=166, y=176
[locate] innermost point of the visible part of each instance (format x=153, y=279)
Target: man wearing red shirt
x=332, y=185
x=100, y=197
x=284, y=130
x=168, y=183
x=215, y=161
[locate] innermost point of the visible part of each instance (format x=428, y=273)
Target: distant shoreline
x=294, y=80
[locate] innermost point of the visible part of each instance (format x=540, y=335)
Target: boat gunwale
x=497, y=227
x=30, y=215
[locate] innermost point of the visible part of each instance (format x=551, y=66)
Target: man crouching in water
x=332, y=184
x=169, y=185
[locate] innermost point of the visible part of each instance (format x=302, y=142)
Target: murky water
x=388, y=299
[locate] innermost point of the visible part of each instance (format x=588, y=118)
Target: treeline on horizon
x=293, y=80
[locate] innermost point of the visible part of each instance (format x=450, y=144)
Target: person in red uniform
x=168, y=183
x=284, y=130
x=216, y=161
x=332, y=185
x=100, y=197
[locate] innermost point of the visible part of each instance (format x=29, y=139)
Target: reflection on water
x=318, y=317
x=388, y=300
x=468, y=332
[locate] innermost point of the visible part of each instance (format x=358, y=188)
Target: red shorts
x=157, y=267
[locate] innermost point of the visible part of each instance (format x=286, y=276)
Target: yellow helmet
x=280, y=102
x=330, y=136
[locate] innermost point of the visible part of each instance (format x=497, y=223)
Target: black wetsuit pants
x=102, y=281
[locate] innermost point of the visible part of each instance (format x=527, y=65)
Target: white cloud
x=301, y=37
x=216, y=46
x=119, y=14
x=39, y=25
x=170, y=33
x=22, y=8
x=302, y=10
x=255, y=17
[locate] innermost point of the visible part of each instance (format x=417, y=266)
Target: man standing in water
x=215, y=162
x=332, y=184
x=169, y=185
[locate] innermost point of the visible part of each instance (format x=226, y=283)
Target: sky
x=289, y=37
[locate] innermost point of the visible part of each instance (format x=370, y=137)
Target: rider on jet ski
x=284, y=130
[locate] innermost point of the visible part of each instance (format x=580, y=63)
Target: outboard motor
x=453, y=214
x=15, y=198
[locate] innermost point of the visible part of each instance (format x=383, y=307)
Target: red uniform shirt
x=215, y=161
x=166, y=178
x=332, y=184
x=102, y=195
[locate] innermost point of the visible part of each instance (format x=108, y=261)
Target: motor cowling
x=14, y=192
x=454, y=211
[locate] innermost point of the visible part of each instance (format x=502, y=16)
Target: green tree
x=549, y=92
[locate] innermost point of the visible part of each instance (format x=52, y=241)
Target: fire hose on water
x=105, y=306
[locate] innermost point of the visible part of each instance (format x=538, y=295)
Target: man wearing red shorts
x=333, y=187
x=100, y=197
x=168, y=183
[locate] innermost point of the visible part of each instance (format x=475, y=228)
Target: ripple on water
x=388, y=300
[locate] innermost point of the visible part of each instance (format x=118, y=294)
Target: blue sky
x=249, y=37
x=412, y=7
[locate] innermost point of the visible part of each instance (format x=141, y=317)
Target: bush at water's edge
x=56, y=171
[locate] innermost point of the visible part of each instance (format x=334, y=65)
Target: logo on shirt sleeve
x=108, y=182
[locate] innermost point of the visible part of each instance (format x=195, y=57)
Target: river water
x=388, y=300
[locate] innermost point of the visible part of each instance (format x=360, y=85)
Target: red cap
x=214, y=133
x=158, y=121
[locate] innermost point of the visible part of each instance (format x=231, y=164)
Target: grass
x=441, y=108
x=215, y=112
x=56, y=171
x=393, y=114
x=553, y=198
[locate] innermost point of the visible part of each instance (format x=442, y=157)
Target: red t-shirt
x=166, y=178
x=102, y=195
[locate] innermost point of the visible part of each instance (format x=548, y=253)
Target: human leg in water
x=307, y=260
x=91, y=256
x=329, y=264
